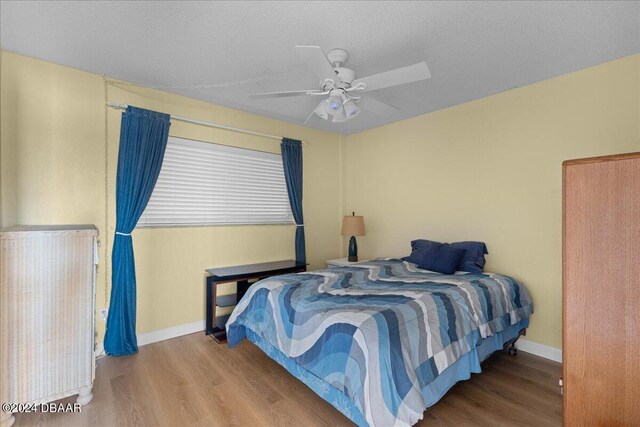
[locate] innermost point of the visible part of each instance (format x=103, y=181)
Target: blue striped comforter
x=379, y=331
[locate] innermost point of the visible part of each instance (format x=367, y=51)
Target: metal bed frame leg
x=510, y=345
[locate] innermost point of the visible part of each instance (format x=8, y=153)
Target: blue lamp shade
x=353, y=226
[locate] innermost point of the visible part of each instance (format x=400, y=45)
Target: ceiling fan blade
x=375, y=106
x=286, y=94
x=318, y=111
x=317, y=62
x=399, y=76
x=313, y=113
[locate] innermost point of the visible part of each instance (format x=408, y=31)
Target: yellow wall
x=487, y=170
x=52, y=171
x=490, y=170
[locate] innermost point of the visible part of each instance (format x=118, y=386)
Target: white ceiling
x=473, y=49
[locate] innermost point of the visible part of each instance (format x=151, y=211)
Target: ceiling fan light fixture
x=334, y=104
x=340, y=117
x=321, y=111
x=351, y=109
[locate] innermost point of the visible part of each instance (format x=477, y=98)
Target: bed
x=381, y=340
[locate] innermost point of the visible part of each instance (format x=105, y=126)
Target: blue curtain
x=292, y=161
x=143, y=140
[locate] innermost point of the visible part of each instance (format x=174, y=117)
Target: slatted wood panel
x=193, y=381
x=601, y=291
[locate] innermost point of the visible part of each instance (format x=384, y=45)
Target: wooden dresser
x=601, y=291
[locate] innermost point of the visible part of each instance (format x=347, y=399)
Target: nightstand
x=341, y=262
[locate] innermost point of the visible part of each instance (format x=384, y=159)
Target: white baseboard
x=522, y=344
x=168, y=333
x=162, y=334
x=541, y=350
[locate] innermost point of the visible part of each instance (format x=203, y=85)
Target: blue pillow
x=473, y=260
x=442, y=258
x=418, y=250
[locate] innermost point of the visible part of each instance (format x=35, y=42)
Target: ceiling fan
x=339, y=84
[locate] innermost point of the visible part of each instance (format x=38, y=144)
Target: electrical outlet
x=103, y=314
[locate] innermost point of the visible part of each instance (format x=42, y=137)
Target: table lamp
x=353, y=226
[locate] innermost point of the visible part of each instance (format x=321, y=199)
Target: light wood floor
x=191, y=380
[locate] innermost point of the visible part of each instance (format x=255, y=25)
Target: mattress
x=381, y=340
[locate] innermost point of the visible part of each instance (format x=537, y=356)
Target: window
x=210, y=184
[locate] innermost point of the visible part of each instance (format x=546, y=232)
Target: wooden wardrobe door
x=601, y=291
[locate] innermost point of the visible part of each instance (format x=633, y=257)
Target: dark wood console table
x=245, y=276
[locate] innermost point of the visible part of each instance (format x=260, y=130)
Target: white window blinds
x=211, y=184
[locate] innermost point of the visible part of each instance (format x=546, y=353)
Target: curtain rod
x=211, y=124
